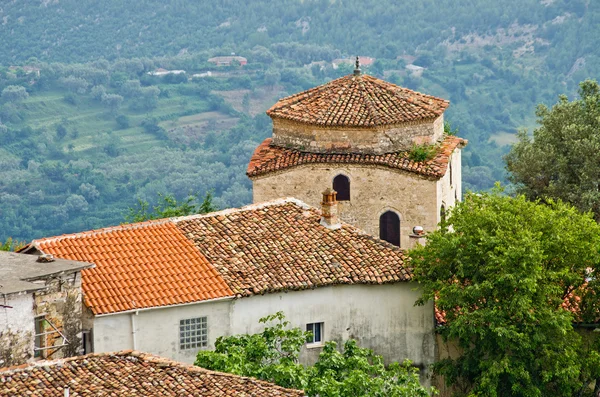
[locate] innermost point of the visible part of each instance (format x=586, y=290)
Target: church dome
x=358, y=101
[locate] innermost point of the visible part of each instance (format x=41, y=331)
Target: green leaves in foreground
x=272, y=355
x=510, y=275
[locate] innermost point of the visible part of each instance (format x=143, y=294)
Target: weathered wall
x=450, y=185
x=373, y=191
x=61, y=304
x=379, y=317
x=384, y=139
x=20, y=316
x=157, y=330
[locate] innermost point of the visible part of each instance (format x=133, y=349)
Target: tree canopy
x=561, y=161
x=512, y=277
x=272, y=355
x=169, y=207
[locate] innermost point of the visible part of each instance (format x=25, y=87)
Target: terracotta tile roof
x=137, y=266
x=269, y=158
x=282, y=246
x=129, y=374
x=273, y=246
x=358, y=101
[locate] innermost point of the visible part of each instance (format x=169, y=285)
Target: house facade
x=40, y=308
x=171, y=287
x=362, y=136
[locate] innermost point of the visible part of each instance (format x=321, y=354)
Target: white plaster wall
x=380, y=317
x=448, y=194
x=20, y=316
x=157, y=330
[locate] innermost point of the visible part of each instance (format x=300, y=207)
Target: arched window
x=442, y=213
x=341, y=184
x=389, y=228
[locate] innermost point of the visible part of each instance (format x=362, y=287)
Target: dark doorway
x=389, y=228
x=341, y=184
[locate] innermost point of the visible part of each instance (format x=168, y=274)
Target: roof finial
x=357, y=67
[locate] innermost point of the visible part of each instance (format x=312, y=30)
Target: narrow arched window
x=341, y=184
x=389, y=228
x=442, y=213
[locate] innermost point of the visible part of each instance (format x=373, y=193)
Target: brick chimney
x=329, y=210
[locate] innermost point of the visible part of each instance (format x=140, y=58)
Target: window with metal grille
x=193, y=333
x=317, y=332
x=389, y=228
x=341, y=184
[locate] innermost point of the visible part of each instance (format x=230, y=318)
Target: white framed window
x=317, y=330
x=193, y=333
x=40, y=336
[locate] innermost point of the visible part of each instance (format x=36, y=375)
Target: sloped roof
x=129, y=374
x=273, y=246
x=19, y=271
x=358, y=101
x=276, y=247
x=269, y=158
x=139, y=265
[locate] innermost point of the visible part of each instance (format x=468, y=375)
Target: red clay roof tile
x=358, y=101
x=128, y=374
x=268, y=158
x=273, y=246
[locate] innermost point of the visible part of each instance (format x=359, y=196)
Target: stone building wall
x=378, y=140
x=61, y=304
x=373, y=191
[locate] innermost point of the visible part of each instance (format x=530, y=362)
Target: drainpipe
x=133, y=329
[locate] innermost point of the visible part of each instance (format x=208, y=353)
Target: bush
x=421, y=153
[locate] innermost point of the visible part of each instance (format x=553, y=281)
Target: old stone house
x=359, y=134
x=173, y=286
x=40, y=307
x=129, y=374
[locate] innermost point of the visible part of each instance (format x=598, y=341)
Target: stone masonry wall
x=373, y=191
x=379, y=140
x=62, y=306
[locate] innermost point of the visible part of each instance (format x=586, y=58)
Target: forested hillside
x=94, y=131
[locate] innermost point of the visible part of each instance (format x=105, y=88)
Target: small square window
x=193, y=333
x=317, y=332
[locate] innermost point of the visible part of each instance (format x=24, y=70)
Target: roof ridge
x=370, y=104
x=249, y=207
x=93, y=232
x=399, y=89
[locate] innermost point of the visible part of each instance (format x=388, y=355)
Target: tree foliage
x=272, y=355
x=561, y=161
x=512, y=276
x=169, y=207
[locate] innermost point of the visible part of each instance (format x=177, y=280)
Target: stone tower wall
x=379, y=140
x=373, y=191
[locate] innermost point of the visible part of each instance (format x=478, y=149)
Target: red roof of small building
x=268, y=158
x=273, y=246
x=358, y=101
x=129, y=374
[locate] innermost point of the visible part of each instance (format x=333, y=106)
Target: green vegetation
x=513, y=277
x=420, y=153
x=562, y=160
x=272, y=355
x=169, y=207
x=95, y=106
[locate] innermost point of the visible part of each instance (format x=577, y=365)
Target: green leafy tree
x=272, y=355
x=506, y=271
x=561, y=161
x=14, y=93
x=11, y=245
x=168, y=207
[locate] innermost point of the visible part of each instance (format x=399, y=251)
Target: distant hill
x=68, y=161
